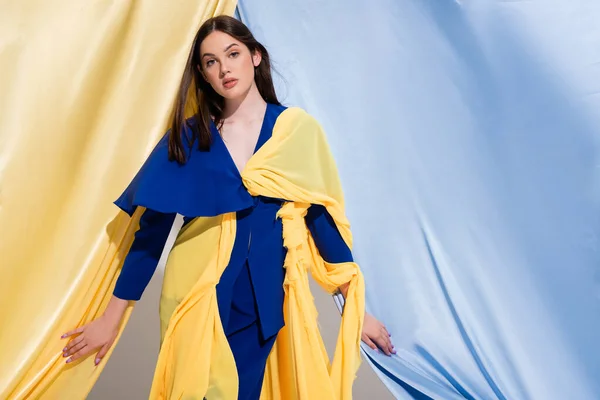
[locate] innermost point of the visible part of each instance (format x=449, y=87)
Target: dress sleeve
x=145, y=252
x=327, y=238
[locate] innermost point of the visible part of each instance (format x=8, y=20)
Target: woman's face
x=227, y=65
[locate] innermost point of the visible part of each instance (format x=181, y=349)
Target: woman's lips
x=229, y=83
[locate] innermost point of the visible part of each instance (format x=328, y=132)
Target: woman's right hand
x=100, y=334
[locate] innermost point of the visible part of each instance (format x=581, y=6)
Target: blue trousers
x=250, y=349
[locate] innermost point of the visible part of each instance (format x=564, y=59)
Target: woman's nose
x=224, y=69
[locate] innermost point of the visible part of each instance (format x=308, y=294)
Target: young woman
x=261, y=202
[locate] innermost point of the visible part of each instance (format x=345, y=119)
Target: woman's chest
x=241, y=141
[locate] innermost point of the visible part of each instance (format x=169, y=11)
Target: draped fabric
x=195, y=360
x=467, y=138
x=297, y=165
x=87, y=89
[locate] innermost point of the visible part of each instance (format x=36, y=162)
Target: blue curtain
x=467, y=135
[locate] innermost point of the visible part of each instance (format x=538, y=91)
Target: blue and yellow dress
x=250, y=291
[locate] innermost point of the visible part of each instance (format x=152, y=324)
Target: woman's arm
x=333, y=249
x=328, y=239
x=138, y=268
x=144, y=254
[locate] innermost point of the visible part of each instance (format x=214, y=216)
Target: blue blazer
x=210, y=184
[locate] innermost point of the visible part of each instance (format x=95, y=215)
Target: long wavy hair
x=209, y=103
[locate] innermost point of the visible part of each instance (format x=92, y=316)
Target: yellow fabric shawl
x=195, y=360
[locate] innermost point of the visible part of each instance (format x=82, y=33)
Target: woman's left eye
x=234, y=54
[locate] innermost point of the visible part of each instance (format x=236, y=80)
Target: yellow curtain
x=86, y=89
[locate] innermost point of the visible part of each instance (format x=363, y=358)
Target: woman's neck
x=248, y=107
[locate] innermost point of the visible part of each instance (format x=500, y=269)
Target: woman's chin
x=235, y=93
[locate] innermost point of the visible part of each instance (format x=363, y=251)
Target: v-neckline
x=259, y=140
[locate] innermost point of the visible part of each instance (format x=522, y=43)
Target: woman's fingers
x=73, y=343
x=81, y=353
x=383, y=340
x=385, y=331
x=102, y=353
x=383, y=343
x=388, y=340
x=97, y=335
x=76, y=348
x=369, y=342
x=73, y=332
x=375, y=333
x=388, y=344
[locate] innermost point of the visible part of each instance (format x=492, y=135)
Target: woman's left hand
x=375, y=335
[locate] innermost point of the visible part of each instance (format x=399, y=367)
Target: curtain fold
x=86, y=90
x=467, y=136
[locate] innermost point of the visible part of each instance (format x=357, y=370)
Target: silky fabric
x=195, y=360
x=467, y=135
x=86, y=91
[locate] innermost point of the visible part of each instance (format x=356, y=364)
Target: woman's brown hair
x=209, y=103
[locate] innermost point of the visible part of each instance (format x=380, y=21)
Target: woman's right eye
x=210, y=62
